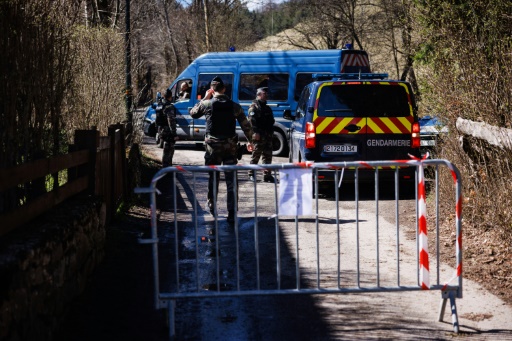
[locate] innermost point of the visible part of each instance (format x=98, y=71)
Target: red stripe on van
x=354, y=59
x=400, y=126
x=335, y=126
x=334, y=123
x=318, y=120
x=381, y=125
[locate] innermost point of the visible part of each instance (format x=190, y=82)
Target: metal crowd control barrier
x=193, y=232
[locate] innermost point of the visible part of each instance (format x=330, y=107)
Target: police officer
x=262, y=121
x=184, y=94
x=221, y=138
x=168, y=134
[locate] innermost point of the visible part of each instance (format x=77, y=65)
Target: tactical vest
x=221, y=122
x=262, y=118
x=161, y=119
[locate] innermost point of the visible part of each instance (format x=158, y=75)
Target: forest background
x=62, y=67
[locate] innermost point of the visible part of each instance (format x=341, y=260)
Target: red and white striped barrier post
x=422, y=230
x=422, y=227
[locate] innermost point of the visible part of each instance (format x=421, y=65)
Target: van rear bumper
x=366, y=175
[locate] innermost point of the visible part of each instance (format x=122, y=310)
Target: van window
x=301, y=80
x=205, y=79
x=363, y=100
x=302, y=105
x=277, y=84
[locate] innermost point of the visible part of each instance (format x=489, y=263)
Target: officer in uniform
x=262, y=121
x=168, y=134
x=221, y=138
x=184, y=94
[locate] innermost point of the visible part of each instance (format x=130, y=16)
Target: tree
x=394, y=36
x=466, y=48
x=36, y=68
x=168, y=35
x=332, y=24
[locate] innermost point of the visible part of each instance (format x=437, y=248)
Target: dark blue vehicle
x=431, y=130
x=355, y=117
x=149, y=126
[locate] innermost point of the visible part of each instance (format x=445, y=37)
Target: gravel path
x=118, y=301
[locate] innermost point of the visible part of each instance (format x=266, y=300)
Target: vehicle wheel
x=279, y=145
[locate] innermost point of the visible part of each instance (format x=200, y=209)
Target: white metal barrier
x=343, y=273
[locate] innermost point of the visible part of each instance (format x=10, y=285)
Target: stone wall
x=45, y=265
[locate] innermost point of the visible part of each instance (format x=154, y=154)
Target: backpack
x=160, y=119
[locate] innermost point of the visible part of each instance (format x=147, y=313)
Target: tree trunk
x=206, y=24
x=171, y=40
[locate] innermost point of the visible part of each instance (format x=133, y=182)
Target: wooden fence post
x=88, y=139
x=124, y=131
x=119, y=171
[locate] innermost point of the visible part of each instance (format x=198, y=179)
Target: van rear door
x=363, y=121
x=340, y=132
x=389, y=113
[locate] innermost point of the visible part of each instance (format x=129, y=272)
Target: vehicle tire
x=279, y=144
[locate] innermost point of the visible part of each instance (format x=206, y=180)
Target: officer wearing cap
x=262, y=121
x=169, y=135
x=221, y=138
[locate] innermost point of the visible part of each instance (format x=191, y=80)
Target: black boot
x=231, y=216
x=252, y=176
x=269, y=178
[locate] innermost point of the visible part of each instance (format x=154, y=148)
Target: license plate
x=428, y=142
x=340, y=148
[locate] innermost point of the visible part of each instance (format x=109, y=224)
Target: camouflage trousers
x=263, y=150
x=221, y=152
x=168, y=151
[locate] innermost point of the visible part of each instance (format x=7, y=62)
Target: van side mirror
x=287, y=115
x=311, y=110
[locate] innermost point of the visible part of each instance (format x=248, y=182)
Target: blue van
x=285, y=73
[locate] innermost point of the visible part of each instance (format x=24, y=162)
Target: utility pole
x=128, y=91
x=272, y=12
x=271, y=5
x=207, y=33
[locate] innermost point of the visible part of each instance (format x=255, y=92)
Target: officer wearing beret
x=169, y=135
x=221, y=138
x=262, y=121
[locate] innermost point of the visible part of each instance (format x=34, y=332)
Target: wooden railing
x=94, y=165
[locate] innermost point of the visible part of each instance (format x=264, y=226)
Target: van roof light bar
x=348, y=76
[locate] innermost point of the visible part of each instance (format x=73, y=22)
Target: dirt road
x=105, y=313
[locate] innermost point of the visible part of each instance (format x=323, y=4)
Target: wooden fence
x=95, y=165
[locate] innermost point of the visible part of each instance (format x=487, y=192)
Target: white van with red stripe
x=355, y=117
